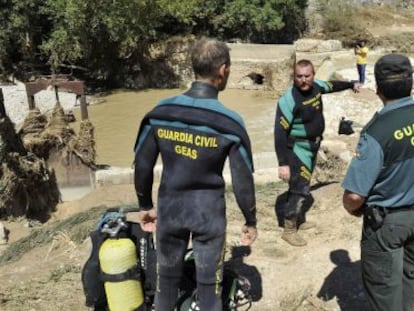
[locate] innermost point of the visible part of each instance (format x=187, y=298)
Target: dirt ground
x=283, y=277
x=40, y=268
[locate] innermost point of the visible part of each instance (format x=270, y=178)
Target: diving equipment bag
x=120, y=271
x=237, y=291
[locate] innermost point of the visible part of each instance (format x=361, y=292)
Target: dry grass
x=65, y=234
x=348, y=23
x=401, y=42
x=294, y=301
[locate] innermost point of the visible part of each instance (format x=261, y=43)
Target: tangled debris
x=84, y=146
x=28, y=186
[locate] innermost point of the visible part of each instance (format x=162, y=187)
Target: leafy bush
x=112, y=43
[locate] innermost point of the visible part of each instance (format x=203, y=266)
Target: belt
x=390, y=210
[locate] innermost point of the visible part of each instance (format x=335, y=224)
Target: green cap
x=393, y=67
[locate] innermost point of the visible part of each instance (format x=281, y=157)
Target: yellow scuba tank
x=118, y=261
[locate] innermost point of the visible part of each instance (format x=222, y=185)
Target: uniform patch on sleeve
x=362, y=149
x=284, y=123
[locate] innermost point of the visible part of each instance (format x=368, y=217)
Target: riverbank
x=257, y=107
x=113, y=127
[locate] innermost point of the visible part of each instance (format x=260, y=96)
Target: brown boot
x=307, y=225
x=291, y=235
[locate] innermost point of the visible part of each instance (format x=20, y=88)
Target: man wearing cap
x=379, y=185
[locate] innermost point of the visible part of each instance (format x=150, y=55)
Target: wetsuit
x=381, y=172
x=195, y=134
x=299, y=127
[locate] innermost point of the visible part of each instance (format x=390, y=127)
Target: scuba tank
x=120, y=269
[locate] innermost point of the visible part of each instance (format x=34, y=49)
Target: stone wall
x=273, y=62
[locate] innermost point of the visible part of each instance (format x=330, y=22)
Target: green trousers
x=387, y=258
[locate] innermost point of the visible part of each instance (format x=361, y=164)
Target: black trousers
x=198, y=216
x=299, y=187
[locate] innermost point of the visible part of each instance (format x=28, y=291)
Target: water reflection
x=116, y=120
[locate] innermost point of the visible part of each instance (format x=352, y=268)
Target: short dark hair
x=207, y=55
x=394, y=76
x=304, y=63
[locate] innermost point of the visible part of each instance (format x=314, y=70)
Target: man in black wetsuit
x=299, y=126
x=194, y=134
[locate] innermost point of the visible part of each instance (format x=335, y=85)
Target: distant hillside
x=387, y=23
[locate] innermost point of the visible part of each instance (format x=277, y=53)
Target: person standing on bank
x=298, y=130
x=361, y=51
x=379, y=185
x=195, y=134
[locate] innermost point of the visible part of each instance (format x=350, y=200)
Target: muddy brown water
x=117, y=118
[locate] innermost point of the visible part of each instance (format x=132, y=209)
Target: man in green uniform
x=299, y=126
x=379, y=185
x=194, y=134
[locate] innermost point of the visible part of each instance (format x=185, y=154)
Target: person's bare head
x=304, y=75
x=211, y=61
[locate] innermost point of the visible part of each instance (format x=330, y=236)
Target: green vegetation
x=110, y=43
x=105, y=41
